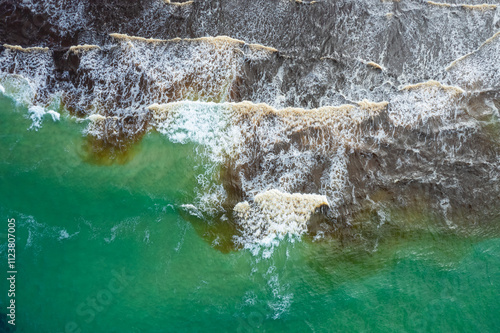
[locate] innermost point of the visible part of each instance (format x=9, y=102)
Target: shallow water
x=81, y=224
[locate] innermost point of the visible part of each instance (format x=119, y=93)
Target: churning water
x=260, y=166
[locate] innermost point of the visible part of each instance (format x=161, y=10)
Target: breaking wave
x=298, y=128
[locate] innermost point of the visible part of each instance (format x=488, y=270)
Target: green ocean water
x=106, y=248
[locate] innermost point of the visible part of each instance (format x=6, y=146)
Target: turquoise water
x=107, y=248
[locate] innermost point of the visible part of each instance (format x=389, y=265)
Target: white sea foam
x=25, y=67
x=63, y=234
x=192, y=210
x=36, y=114
x=146, y=236
x=274, y=215
x=293, y=150
x=18, y=88
x=26, y=81
x=286, y=145
x=125, y=225
x=55, y=115
x=143, y=71
x=294, y=145
x=67, y=15
x=432, y=43
x=480, y=69
x=206, y=124
x=419, y=103
x=37, y=230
